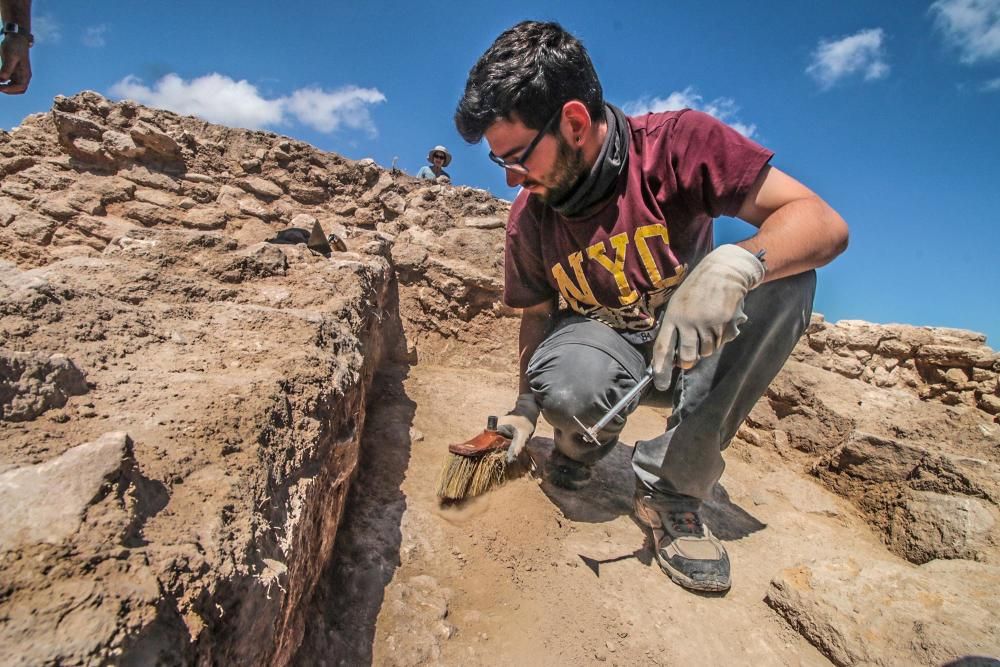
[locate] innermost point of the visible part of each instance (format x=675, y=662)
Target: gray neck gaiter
x=610, y=163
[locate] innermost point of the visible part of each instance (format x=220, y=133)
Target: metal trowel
x=590, y=434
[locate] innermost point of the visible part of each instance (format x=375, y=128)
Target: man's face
x=554, y=166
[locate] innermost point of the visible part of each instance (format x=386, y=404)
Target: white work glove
x=706, y=311
x=519, y=424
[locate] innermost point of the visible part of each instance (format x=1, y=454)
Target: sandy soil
x=532, y=574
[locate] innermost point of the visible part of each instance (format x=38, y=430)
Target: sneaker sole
x=564, y=481
x=676, y=576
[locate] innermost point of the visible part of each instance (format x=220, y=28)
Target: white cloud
x=46, y=30
x=861, y=53
x=972, y=26
x=213, y=97
x=94, y=36
x=991, y=86
x=723, y=108
x=220, y=99
x=327, y=111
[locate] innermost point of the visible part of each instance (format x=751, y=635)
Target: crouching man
x=615, y=216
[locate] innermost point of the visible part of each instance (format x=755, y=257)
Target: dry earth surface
x=220, y=450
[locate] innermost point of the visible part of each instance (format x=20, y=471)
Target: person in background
x=15, y=63
x=439, y=157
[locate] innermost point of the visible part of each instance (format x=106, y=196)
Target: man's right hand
x=16, y=64
x=706, y=311
x=519, y=424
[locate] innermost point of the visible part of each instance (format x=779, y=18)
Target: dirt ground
x=532, y=574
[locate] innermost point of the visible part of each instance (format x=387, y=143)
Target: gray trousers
x=584, y=367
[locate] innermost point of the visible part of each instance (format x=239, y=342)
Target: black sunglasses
x=438, y=155
x=518, y=165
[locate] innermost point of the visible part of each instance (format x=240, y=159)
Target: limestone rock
x=110, y=190
x=46, y=502
x=71, y=126
x=251, y=206
x=382, y=184
x=989, y=403
x=259, y=261
x=16, y=190
x=260, y=187
x=953, y=356
x=155, y=141
x=31, y=383
x=15, y=164
x=205, y=218
x=33, y=228
x=928, y=525
x=871, y=458
x=158, y=197
x=929, y=361
x=120, y=145
x=90, y=150
x=152, y=179
x=84, y=201
x=393, y=203
x=423, y=603
x=486, y=222
x=149, y=215
x=882, y=613
x=304, y=221
x=198, y=178
x=8, y=211
x=344, y=208
x=95, y=232
x=306, y=194
x=57, y=207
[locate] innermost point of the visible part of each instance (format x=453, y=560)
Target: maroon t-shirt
x=619, y=264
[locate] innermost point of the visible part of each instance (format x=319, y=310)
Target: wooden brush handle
x=484, y=443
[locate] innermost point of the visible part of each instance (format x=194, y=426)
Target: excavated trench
x=528, y=573
x=537, y=575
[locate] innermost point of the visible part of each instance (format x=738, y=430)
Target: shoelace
x=686, y=522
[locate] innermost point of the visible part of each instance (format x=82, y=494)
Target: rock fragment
x=47, y=502
x=860, y=613
x=31, y=383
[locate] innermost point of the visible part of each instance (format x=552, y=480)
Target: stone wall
x=952, y=366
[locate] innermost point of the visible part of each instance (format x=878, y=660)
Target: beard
x=569, y=171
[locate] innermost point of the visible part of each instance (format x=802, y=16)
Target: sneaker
x=565, y=472
x=685, y=548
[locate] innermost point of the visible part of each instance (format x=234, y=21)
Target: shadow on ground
x=609, y=495
x=350, y=592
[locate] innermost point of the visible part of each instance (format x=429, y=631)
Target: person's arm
x=519, y=423
x=15, y=62
x=536, y=322
x=797, y=230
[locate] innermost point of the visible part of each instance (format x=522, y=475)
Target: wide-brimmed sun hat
x=439, y=149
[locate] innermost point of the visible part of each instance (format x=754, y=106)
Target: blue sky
x=889, y=110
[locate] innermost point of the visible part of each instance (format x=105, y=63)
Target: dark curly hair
x=529, y=71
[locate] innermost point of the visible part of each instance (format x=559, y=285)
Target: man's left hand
x=519, y=424
x=16, y=68
x=706, y=311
